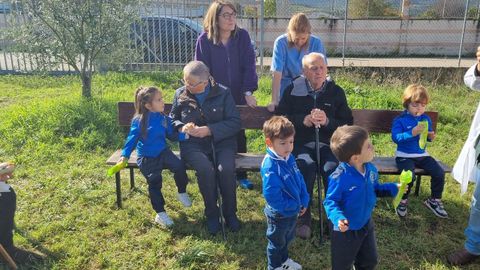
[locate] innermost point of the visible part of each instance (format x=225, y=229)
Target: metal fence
x=166, y=34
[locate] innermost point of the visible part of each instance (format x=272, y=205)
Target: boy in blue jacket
x=406, y=130
x=284, y=190
x=352, y=193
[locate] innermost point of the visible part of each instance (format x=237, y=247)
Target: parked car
x=166, y=39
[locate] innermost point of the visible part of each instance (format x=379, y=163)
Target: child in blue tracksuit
x=148, y=131
x=284, y=190
x=352, y=193
x=406, y=130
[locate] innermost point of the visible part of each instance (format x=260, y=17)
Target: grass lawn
x=66, y=203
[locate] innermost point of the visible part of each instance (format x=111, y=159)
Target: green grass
x=66, y=203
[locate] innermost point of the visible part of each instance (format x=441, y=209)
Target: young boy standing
x=351, y=197
x=284, y=190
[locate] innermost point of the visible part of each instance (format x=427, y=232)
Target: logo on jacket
x=352, y=188
x=372, y=177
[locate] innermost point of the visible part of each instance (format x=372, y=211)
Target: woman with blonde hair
x=227, y=51
x=288, y=51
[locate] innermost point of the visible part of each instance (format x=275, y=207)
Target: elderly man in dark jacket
x=314, y=100
x=206, y=111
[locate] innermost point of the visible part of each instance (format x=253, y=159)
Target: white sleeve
x=472, y=81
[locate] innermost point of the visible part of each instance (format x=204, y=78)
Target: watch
x=248, y=93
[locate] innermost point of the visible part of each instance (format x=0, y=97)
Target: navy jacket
x=297, y=102
x=283, y=186
x=218, y=112
x=352, y=196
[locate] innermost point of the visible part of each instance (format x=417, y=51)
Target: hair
x=143, y=96
x=196, y=69
x=347, y=141
x=278, y=127
x=298, y=24
x=415, y=93
x=210, y=22
x=308, y=58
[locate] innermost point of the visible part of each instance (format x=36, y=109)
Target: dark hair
x=347, y=141
x=143, y=96
x=278, y=127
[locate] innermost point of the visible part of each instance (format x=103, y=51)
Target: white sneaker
x=163, y=219
x=290, y=265
x=184, y=199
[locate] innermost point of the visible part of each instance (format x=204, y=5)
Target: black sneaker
x=436, y=206
x=402, y=209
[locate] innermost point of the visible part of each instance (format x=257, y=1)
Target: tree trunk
x=86, y=84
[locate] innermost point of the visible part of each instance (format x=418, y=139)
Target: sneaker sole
x=433, y=211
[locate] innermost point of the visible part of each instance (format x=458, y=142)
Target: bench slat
x=252, y=162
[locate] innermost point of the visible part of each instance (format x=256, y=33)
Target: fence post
x=262, y=35
x=463, y=33
x=344, y=32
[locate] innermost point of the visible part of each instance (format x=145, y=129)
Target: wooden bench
x=375, y=121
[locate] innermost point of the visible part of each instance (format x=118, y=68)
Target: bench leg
x=118, y=189
x=132, y=179
x=417, y=185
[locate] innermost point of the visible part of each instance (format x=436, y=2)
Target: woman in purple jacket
x=227, y=51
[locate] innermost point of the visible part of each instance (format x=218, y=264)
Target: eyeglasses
x=228, y=16
x=191, y=85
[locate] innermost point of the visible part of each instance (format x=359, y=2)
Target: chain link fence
x=166, y=33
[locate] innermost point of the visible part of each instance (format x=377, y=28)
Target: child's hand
x=418, y=129
x=122, y=160
x=302, y=211
x=6, y=171
x=343, y=225
x=432, y=135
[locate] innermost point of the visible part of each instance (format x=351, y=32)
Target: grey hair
x=308, y=58
x=196, y=69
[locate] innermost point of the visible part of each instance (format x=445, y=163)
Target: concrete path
x=393, y=62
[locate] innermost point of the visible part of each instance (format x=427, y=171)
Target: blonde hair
x=298, y=24
x=210, y=22
x=415, y=93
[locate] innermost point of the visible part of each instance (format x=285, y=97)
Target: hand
x=319, y=118
x=200, y=132
x=432, y=135
x=5, y=177
x=187, y=127
x=307, y=121
x=478, y=59
x=343, y=225
x=418, y=129
x=302, y=211
x=251, y=101
x=122, y=160
x=271, y=106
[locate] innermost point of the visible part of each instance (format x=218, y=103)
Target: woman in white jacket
x=467, y=169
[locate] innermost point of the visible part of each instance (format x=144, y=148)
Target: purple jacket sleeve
x=248, y=65
x=202, y=49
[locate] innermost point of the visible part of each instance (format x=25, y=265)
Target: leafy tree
x=445, y=9
x=370, y=8
x=77, y=32
x=270, y=8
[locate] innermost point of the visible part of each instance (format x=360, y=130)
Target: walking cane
x=319, y=183
x=219, y=196
x=317, y=175
x=7, y=258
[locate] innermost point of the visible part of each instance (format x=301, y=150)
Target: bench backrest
x=375, y=121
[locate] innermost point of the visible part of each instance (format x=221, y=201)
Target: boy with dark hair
x=284, y=190
x=351, y=197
